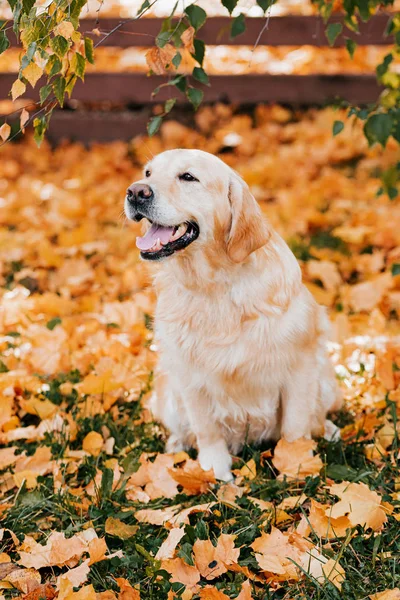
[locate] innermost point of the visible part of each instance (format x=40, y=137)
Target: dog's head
x=192, y=197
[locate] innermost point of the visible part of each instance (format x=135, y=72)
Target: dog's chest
x=220, y=339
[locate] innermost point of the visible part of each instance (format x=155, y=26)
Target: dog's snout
x=139, y=193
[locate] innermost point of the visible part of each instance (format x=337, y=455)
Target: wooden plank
x=288, y=30
x=136, y=88
x=87, y=127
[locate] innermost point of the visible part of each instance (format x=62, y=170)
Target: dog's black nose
x=139, y=193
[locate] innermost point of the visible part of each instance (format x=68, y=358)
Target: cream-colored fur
x=242, y=341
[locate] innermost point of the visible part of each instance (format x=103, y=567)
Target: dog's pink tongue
x=155, y=232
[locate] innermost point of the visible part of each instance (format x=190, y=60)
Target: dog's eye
x=187, y=177
x=147, y=173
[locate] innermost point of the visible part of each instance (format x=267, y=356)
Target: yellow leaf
x=249, y=470
x=120, y=529
x=93, y=443
x=393, y=594
x=32, y=73
x=98, y=384
x=18, y=88
x=5, y=131
x=65, y=28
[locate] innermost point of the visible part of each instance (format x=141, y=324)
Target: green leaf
x=59, y=45
x=238, y=25
x=53, y=66
x=378, y=128
x=229, y=4
x=44, y=92
x=4, y=43
x=176, y=61
x=154, y=125
x=384, y=66
x=195, y=97
x=265, y=4
x=145, y=6
x=196, y=15
x=78, y=65
x=89, y=50
x=106, y=483
x=199, y=50
x=338, y=126
x=163, y=38
x=333, y=31
x=39, y=129
x=59, y=89
x=200, y=75
x=70, y=85
x=3, y=367
x=341, y=472
x=180, y=83
x=53, y=323
x=351, y=47
x=27, y=5
x=392, y=193
x=169, y=105
x=395, y=269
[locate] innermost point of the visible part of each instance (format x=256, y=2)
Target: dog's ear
x=248, y=230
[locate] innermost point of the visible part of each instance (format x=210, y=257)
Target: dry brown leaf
x=42, y=592
x=76, y=576
x=393, y=594
x=192, y=477
x=295, y=459
x=187, y=38
x=156, y=516
x=159, y=59
x=181, y=572
x=120, y=529
x=359, y=504
x=167, y=548
x=126, y=591
x=212, y=561
x=211, y=593
x=156, y=477
x=323, y=524
x=245, y=592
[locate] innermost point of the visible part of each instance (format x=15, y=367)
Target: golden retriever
x=242, y=341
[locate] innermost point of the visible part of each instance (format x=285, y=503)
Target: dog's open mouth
x=161, y=241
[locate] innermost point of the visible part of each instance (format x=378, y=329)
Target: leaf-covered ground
x=91, y=508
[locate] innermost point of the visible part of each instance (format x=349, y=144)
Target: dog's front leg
x=300, y=400
x=212, y=447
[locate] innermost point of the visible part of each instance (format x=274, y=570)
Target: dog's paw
x=219, y=461
x=332, y=433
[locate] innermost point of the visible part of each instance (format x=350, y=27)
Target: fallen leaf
x=119, y=529
x=295, y=459
x=93, y=443
x=181, y=572
x=193, y=478
x=359, y=504
x=212, y=561
x=126, y=591
x=167, y=548
x=393, y=594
